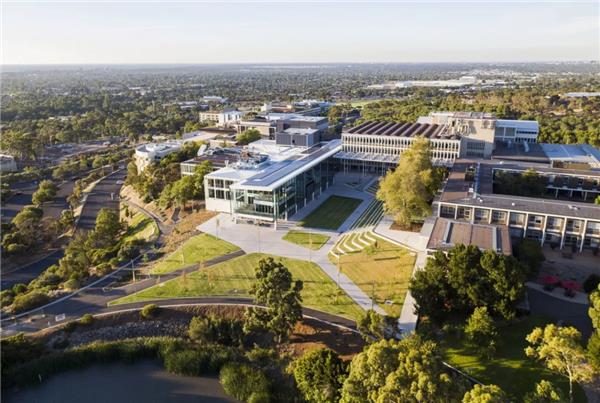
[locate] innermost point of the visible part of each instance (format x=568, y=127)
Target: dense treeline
x=562, y=119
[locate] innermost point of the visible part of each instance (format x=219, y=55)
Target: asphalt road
x=15, y=203
x=570, y=313
x=99, y=198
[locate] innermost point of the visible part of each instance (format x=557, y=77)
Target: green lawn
x=235, y=277
x=306, y=239
x=199, y=248
x=331, y=213
x=383, y=271
x=511, y=369
x=141, y=227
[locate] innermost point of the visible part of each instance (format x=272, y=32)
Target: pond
x=145, y=381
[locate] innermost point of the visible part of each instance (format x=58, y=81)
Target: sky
x=298, y=32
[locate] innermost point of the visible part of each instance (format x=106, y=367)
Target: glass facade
x=287, y=199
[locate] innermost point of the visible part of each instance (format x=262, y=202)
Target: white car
x=120, y=182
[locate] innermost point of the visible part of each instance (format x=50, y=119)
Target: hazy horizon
x=152, y=33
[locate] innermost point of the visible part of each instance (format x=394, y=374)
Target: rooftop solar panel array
x=400, y=129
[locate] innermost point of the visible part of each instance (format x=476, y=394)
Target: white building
x=7, y=163
x=153, y=152
x=224, y=118
x=270, y=181
x=149, y=153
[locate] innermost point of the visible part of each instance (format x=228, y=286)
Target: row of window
x=535, y=221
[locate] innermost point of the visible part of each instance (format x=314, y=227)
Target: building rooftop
x=447, y=233
x=479, y=191
x=284, y=163
x=401, y=130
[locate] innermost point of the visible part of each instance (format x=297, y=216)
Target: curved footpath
x=92, y=299
x=99, y=197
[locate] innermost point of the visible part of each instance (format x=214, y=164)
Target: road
x=15, y=203
x=104, y=195
x=571, y=313
x=95, y=300
x=99, y=198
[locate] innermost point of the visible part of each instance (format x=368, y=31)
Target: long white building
x=375, y=147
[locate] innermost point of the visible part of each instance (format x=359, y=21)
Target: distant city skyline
x=256, y=32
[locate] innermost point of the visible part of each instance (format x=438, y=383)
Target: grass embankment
x=510, y=369
x=331, y=213
x=197, y=249
x=235, y=277
x=306, y=239
x=141, y=226
x=383, y=271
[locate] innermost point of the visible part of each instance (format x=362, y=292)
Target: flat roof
x=457, y=191
x=447, y=233
x=401, y=130
x=279, y=173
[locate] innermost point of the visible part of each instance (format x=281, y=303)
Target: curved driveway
x=100, y=197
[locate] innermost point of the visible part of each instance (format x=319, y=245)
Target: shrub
x=70, y=326
x=195, y=362
x=86, y=319
x=71, y=284
x=129, y=350
x=149, y=311
x=243, y=382
x=19, y=288
x=25, y=302
x=103, y=269
x=591, y=283
x=18, y=349
x=130, y=250
x=6, y=298
x=211, y=329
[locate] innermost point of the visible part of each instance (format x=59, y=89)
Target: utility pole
x=309, y=245
x=372, y=294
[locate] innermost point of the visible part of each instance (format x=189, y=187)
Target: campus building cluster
x=271, y=179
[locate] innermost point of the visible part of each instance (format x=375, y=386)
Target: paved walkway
x=257, y=239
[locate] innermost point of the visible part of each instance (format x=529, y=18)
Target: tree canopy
x=407, y=191
x=319, y=375
x=280, y=294
x=467, y=278
x=409, y=370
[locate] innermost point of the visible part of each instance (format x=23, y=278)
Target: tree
x=319, y=375
x=481, y=332
x=200, y=172
x=46, y=192
x=248, y=136
x=465, y=279
x=593, y=347
x=280, y=294
x=485, y=394
x=431, y=289
x=407, y=191
x=409, y=370
x=108, y=227
x=375, y=326
x=98, y=162
x=183, y=190
x=561, y=351
x=544, y=392
x=529, y=253
x=67, y=219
